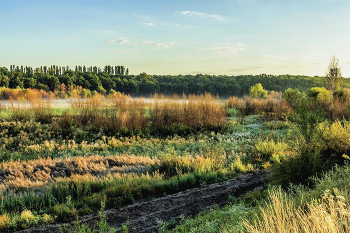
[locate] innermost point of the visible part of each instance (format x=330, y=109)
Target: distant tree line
x=117, y=78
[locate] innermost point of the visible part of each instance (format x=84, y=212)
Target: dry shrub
x=33, y=95
x=341, y=106
x=235, y=102
x=42, y=112
x=203, y=111
x=11, y=94
x=124, y=113
x=121, y=113
x=282, y=216
x=274, y=107
x=128, y=113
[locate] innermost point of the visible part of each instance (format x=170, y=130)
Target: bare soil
x=144, y=216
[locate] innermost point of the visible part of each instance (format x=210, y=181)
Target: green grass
x=230, y=217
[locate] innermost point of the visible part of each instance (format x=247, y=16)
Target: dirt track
x=144, y=216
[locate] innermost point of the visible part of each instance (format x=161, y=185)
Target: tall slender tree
x=333, y=78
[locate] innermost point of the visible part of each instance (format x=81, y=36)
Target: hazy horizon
x=178, y=37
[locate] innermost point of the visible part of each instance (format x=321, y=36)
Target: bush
x=292, y=95
x=257, y=91
x=298, y=169
x=4, y=219
x=266, y=149
x=336, y=136
x=320, y=95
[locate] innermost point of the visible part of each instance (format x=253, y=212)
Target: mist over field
x=174, y=116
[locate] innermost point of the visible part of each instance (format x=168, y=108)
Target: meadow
x=58, y=163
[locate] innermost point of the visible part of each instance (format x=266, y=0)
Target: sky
x=231, y=37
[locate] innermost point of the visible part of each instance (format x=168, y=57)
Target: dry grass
x=192, y=111
x=282, y=216
x=123, y=113
x=36, y=173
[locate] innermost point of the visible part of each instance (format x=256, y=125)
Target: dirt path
x=144, y=216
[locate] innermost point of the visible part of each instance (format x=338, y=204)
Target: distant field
x=61, y=159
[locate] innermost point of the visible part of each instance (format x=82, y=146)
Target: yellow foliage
x=47, y=218
x=27, y=215
x=4, y=219
x=238, y=166
x=336, y=136
x=269, y=148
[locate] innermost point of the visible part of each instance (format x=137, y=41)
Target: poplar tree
x=333, y=78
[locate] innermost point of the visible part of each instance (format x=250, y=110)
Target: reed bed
x=203, y=111
x=160, y=115
x=273, y=107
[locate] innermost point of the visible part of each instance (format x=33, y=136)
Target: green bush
x=292, y=95
x=298, y=169
x=266, y=149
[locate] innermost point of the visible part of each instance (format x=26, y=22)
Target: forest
x=117, y=78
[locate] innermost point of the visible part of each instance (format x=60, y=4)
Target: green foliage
x=226, y=219
x=292, y=95
x=94, y=78
x=253, y=198
x=306, y=118
x=298, y=169
x=268, y=149
x=257, y=91
x=64, y=211
x=232, y=112
x=320, y=94
x=101, y=226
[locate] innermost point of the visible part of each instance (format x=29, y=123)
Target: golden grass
x=124, y=113
x=36, y=173
x=192, y=111
x=282, y=216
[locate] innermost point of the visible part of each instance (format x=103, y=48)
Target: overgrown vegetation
x=61, y=163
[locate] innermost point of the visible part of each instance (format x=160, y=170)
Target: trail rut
x=144, y=216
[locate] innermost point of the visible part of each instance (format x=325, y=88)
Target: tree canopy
x=117, y=78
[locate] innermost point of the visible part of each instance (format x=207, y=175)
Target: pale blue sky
x=178, y=37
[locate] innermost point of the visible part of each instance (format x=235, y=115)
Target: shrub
x=238, y=166
x=257, y=91
x=4, y=220
x=298, y=169
x=336, y=136
x=292, y=95
x=266, y=149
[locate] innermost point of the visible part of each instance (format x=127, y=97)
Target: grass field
x=61, y=162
